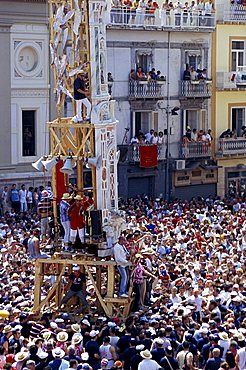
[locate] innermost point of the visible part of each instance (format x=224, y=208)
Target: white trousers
x=87, y=104
x=66, y=227
x=73, y=234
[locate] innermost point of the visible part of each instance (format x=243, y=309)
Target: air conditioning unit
x=180, y=164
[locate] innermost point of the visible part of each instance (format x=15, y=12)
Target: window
x=238, y=119
x=194, y=59
x=195, y=119
x=144, y=121
x=144, y=60
x=28, y=133
x=238, y=54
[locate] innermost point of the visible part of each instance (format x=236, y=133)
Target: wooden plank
x=38, y=284
x=78, y=262
x=110, y=281
x=53, y=289
x=104, y=306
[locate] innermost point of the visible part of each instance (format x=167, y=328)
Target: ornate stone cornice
x=30, y=93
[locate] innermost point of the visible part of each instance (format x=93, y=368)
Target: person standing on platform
x=75, y=288
x=80, y=97
x=76, y=212
x=44, y=210
x=65, y=219
x=120, y=255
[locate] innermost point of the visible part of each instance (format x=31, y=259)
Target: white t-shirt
x=148, y=365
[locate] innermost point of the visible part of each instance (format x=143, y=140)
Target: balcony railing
x=146, y=90
x=231, y=146
x=235, y=13
x=125, y=17
x=200, y=149
x=195, y=89
x=231, y=80
x=130, y=153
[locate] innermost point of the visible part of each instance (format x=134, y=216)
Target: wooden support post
x=110, y=281
x=99, y=297
x=38, y=284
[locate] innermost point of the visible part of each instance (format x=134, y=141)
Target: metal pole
x=167, y=192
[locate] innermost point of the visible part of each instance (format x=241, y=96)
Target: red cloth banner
x=60, y=181
x=148, y=156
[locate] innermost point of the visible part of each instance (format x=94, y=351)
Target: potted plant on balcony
x=161, y=80
x=143, y=81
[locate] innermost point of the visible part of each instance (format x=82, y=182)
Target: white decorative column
x=102, y=115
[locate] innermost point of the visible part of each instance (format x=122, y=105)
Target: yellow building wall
x=224, y=33
x=225, y=100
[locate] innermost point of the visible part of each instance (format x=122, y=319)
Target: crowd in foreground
x=189, y=294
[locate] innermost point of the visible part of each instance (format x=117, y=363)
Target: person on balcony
x=199, y=11
x=140, y=13
x=161, y=138
x=194, y=135
x=186, y=74
x=154, y=139
x=127, y=4
x=185, y=143
x=191, y=10
x=134, y=140
x=149, y=136
x=163, y=13
x=185, y=13
x=178, y=10
x=209, y=7
x=193, y=74
x=226, y=134
x=140, y=75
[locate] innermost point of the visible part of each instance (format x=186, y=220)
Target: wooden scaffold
x=70, y=51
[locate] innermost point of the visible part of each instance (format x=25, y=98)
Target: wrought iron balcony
x=195, y=89
x=159, y=19
x=235, y=13
x=231, y=147
x=146, y=90
x=199, y=149
x=130, y=153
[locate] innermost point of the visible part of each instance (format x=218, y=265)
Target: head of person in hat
x=21, y=356
x=76, y=328
x=58, y=353
x=66, y=196
x=62, y=336
x=45, y=194
x=146, y=355
x=7, y=330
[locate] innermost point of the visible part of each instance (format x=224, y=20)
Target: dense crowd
x=189, y=294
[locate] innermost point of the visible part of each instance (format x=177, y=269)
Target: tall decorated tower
x=78, y=42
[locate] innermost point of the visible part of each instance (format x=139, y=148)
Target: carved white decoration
x=27, y=59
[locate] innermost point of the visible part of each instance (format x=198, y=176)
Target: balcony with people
x=152, y=143
x=232, y=142
x=195, y=83
x=196, y=144
x=231, y=11
x=149, y=14
x=146, y=86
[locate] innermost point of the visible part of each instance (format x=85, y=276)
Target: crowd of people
x=149, y=12
x=185, y=281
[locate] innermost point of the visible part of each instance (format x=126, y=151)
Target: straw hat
x=76, y=328
x=62, y=336
x=81, y=72
x=7, y=329
x=21, y=356
x=58, y=353
x=66, y=196
x=77, y=338
x=78, y=197
x=148, y=251
x=42, y=355
x=224, y=336
x=46, y=335
x=146, y=354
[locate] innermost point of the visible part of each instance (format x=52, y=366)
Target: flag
x=148, y=156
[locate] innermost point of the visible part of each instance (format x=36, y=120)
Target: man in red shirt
x=76, y=213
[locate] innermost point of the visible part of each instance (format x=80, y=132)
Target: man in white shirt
x=147, y=363
x=22, y=195
x=120, y=257
x=149, y=136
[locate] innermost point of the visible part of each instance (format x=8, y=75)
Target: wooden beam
x=104, y=306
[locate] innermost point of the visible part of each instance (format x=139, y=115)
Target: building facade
x=24, y=101
x=229, y=99
x=172, y=106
